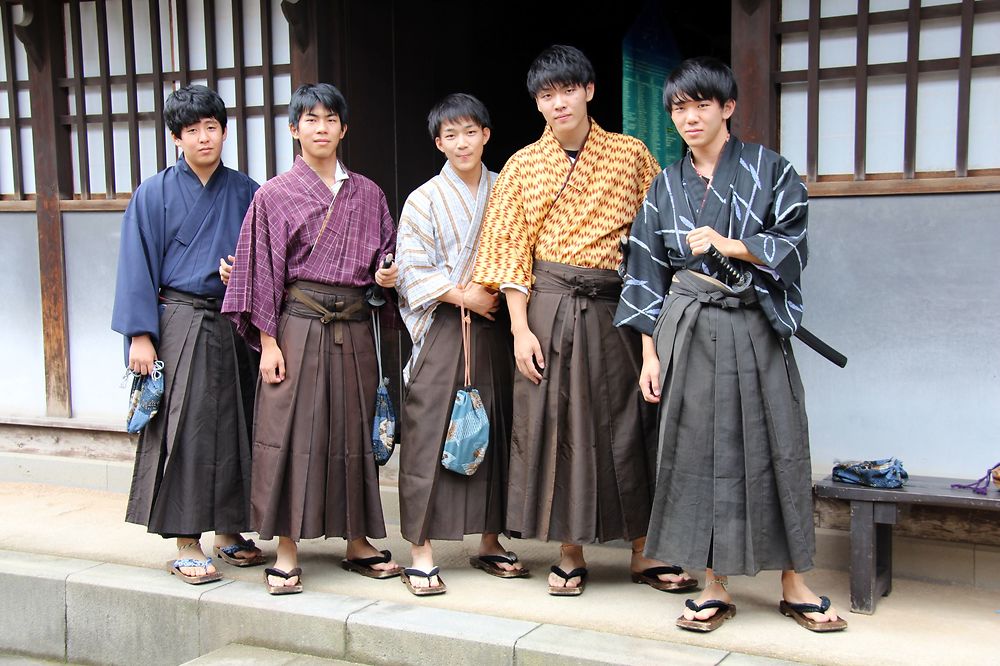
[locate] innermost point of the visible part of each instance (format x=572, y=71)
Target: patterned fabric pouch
x=885, y=473
x=384, y=423
x=144, y=398
x=469, y=428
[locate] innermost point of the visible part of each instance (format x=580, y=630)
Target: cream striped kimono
x=436, y=246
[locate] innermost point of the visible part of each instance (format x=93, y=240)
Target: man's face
x=319, y=132
x=462, y=142
x=565, y=106
x=701, y=122
x=201, y=143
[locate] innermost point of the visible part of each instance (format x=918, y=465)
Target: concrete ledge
x=113, y=476
x=120, y=615
x=33, y=603
x=387, y=633
x=310, y=623
x=239, y=655
x=552, y=645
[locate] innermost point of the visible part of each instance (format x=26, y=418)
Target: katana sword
x=739, y=281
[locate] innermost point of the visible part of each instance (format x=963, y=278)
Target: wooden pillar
x=42, y=32
x=318, y=40
x=755, y=62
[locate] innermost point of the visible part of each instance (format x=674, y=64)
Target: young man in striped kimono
x=436, y=243
x=311, y=243
x=734, y=484
x=583, y=441
x=192, y=464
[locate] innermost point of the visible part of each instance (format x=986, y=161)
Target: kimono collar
x=313, y=183
x=186, y=169
x=472, y=201
x=554, y=149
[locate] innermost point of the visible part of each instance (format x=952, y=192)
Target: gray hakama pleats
x=313, y=470
x=734, y=478
x=583, y=442
x=436, y=503
x=192, y=465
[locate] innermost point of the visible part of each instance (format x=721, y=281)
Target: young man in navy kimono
x=734, y=484
x=192, y=467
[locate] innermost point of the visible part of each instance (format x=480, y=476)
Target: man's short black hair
x=559, y=65
x=309, y=95
x=457, y=106
x=191, y=104
x=697, y=79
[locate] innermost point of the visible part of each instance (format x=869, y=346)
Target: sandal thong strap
x=386, y=556
x=824, y=606
x=711, y=603
x=421, y=573
x=283, y=574
x=188, y=562
x=580, y=572
x=246, y=546
x=656, y=571
x=509, y=558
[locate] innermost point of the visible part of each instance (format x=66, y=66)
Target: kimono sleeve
x=782, y=244
x=137, y=286
x=647, y=270
x=388, y=313
x=505, y=242
x=421, y=281
x=257, y=283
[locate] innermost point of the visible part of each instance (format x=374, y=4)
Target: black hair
x=309, y=95
x=191, y=104
x=703, y=78
x=457, y=106
x=557, y=66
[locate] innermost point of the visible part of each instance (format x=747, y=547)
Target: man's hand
x=701, y=238
x=272, y=361
x=528, y=354
x=649, y=376
x=480, y=300
x=226, y=268
x=141, y=354
x=386, y=277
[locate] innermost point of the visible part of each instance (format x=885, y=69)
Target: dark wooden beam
x=53, y=180
x=754, y=59
x=318, y=30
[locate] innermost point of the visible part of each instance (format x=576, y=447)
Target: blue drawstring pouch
x=885, y=473
x=144, y=398
x=384, y=423
x=469, y=428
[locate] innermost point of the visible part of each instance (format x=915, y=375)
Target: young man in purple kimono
x=192, y=466
x=312, y=242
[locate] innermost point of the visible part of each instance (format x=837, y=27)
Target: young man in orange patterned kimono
x=583, y=442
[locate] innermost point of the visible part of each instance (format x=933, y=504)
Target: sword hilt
x=737, y=280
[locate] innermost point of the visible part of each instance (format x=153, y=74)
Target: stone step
x=236, y=654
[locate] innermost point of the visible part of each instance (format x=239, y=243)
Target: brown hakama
x=436, y=503
x=313, y=471
x=192, y=464
x=583, y=443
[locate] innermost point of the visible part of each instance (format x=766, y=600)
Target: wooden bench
x=874, y=511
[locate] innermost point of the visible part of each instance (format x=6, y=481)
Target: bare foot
x=490, y=545
x=359, y=549
x=288, y=559
x=570, y=557
x=640, y=563
x=715, y=589
x=224, y=540
x=795, y=591
x=190, y=549
x=423, y=559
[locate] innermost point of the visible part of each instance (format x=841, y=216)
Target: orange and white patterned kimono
x=583, y=440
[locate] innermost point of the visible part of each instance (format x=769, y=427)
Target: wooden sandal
x=651, y=577
x=440, y=588
x=228, y=554
x=562, y=590
x=364, y=566
x=283, y=589
x=724, y=612
x=797, y=612
x=490, y=564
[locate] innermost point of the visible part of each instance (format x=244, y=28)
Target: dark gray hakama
x=192, y=465
x=734, y=479
x=436, y=503
x=313, y=471
x=583, y=442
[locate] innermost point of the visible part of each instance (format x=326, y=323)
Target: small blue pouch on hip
x=469, y=428
x=384, y=423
